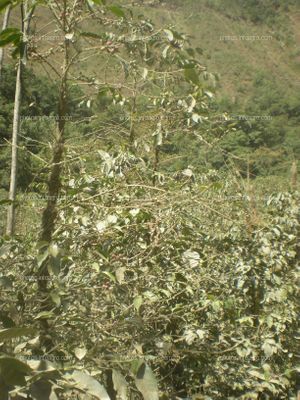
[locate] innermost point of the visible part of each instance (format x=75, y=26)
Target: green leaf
x=55, y=298
x=91, y=34
x=257, y=374
x=44, y=315
x=191, y=52
x=5, y=3
x=117, y=11
x=5, y=201
x=53, y=250
x=209, y=94
x=268, y=349
x=169, y=34
x=10, y=35
x=109, y=275
x=88, y=384
x=80, y=352
x=137, y=302
x=42, y=257
x=145, y=73
x=120, y=274
x=13, y=371
x=42, y=390
x=98, y=2
x=191, y=75
x=4, y=249
x=12, y=333
x=54, y=266
x=120, y=385
x=42, y=365
x=165, y=51
x=146, y=382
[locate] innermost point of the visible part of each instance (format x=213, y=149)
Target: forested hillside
x=149, y=199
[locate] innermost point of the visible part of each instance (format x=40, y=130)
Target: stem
x=26, y=18
x=54, y=182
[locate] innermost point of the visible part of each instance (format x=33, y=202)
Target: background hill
x=254, y=48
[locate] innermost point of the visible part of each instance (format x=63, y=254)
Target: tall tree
x=49, y=214
x=26, y=13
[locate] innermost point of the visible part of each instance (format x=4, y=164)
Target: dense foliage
x=170, y=266
x=202, y=290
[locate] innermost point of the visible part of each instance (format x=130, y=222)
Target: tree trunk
x=4, y=26
x=26, y=17
x=54, y=182
x=54, y=185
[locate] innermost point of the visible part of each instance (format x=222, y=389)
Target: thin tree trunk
x=54, y=187
x=132, y=126
x=4, y=26
x=132, y=120
x=54, y=182
x=26, y=18
x=155, y=164
x=10, y=227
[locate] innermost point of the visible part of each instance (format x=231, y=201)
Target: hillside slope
x=256, y=54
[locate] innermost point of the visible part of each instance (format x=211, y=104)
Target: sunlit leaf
x=120, y=385
x=15, y=332
x=88, y=384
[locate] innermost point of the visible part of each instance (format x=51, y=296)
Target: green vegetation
x=156, y=246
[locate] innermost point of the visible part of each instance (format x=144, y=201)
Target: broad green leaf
x=257, y=374
x=120, y=274
x=10, y=35
x=117, y=11
x=12, y=333
x=268, y=349
x=120, y=385
x=191, y=257
x=87, y=383
x=13, y=371
x=42, y=257
x=42, y=390
x=146, y=382
x=191, y=52
x=53, y=250
x=191, y=75
x=55, y=297
x=5, y=3
x=80, y=352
